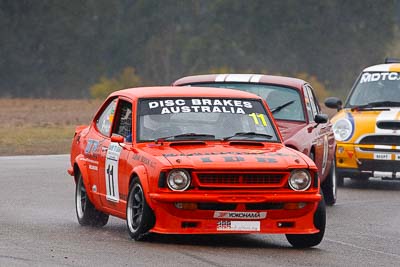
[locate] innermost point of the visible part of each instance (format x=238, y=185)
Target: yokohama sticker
x=248, y=226
x=239, y=215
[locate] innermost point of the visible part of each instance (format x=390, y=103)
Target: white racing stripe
x=238, y=78
x=252, y=78
x=380, y=68
x=220, y=77
x=255, y=78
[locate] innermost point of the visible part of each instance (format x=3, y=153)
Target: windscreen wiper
x=371, y=105
x=186, y=136
x=247, y=135
x=278, y=108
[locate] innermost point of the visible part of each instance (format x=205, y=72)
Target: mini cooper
x=296, y=111
x=367, y=126
x=170, y=160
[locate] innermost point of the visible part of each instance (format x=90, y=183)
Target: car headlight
x=178, y=180
x=343, y=130
x=300, y=180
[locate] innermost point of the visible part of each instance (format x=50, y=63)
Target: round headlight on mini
x=178, y=180
x=300, y=180
x=343, y=130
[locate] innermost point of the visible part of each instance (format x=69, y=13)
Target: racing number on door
x=111, y=172
x=110, y=180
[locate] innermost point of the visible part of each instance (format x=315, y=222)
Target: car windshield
x=230, y=119
x=284, y=102
x=376, y=89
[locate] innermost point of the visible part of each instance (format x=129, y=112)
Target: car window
x=105, y=120
x=284, y=102
x=216, y=117
x=123, y=120
x=374, y=87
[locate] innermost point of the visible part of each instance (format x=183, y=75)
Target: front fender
x=141, y=172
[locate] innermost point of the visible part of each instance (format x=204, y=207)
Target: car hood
x=232, y=155
x=289, y=128
x=366, y=122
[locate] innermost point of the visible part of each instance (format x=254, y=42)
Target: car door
x=96, y=142
x=112, y=174
x=320, y=131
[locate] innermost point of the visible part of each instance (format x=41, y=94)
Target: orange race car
x=201, y=161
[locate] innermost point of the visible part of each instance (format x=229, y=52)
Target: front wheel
x=139, y=216
x=310, y=240
x=86, y=213
x=329, y=187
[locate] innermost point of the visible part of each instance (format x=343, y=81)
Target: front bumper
x=246, y=213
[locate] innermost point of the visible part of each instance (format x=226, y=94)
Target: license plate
x=248, y=226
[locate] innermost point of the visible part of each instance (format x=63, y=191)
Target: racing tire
x=139, y=216
x=311, y=240
x=329, y=187
x=86, y=213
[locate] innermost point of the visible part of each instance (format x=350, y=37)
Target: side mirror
x=117, y=138
x=333, y=102
x=321, y=118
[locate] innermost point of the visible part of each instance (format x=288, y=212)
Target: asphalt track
x=38, y=227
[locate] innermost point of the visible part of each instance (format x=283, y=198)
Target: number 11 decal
x=111, y=172
x=257, y=118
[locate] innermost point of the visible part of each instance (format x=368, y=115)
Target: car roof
x=174, y=91
x=244, y=78
x=394, y=67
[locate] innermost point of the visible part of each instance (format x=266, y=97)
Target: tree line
x=61, y=48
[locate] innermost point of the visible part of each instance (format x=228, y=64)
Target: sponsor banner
x=379, y=76
x=199, y=105
x=248, y=226
x=239, y=215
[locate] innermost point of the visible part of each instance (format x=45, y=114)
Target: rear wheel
x=329, y=187
x=310, y=240
x=139, y=216
x=86, y=213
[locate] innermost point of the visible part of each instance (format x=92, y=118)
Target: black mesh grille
x=244, y=179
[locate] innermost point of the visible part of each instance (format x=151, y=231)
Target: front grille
x=240, y=179
x=389, y=140
x=379, y=165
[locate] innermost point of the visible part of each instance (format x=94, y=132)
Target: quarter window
x=104, y=122
x=312, y=108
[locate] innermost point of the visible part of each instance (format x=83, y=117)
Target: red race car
x=204, y=161
x=297, y=112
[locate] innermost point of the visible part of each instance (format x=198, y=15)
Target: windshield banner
x=200, y=105
x=379, y=76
